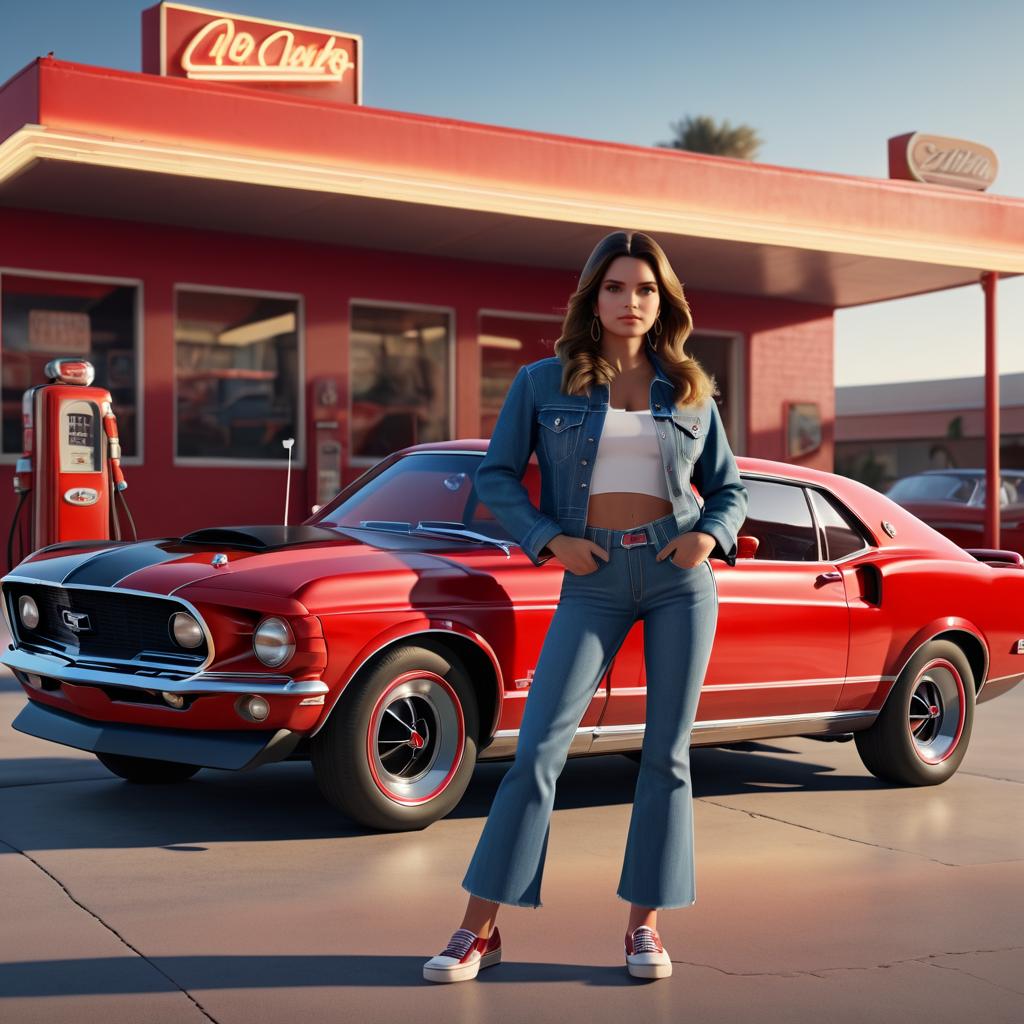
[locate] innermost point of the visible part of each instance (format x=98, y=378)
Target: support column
x=993, y=470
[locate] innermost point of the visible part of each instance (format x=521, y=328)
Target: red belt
x=634, y=539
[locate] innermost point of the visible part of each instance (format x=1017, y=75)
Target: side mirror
x=746, y=545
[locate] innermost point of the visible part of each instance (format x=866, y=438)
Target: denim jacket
x=565, y=431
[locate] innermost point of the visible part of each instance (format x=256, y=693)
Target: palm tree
x=702, y=135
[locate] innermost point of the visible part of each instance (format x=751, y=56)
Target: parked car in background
x=952, y=501
x=392, y=639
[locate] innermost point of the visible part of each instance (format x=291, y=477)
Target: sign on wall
x=213, y=46
x=803, y=428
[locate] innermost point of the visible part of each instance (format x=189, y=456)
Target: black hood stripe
x=106, y=568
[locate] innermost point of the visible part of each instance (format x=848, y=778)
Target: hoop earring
x=595, y=323
x=657, y=332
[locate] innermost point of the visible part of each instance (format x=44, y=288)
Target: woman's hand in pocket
x=580, y=555
x=692, y=547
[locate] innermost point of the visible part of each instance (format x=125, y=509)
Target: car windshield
x=420, y=491
x=932, y=487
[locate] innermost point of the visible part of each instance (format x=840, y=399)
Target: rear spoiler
x=998, y=557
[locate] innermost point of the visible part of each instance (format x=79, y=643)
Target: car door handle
x=832, y=576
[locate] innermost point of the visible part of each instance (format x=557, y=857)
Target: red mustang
x=392, y=638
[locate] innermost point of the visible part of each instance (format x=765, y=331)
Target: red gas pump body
x=70, y=463
x=72, y=482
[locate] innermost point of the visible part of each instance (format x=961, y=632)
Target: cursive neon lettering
x=227, y=29
x=219, y=50
x=286, y=39
x=241, y=48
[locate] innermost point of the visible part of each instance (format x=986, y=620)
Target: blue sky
x=823, y=83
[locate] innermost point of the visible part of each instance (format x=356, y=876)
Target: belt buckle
x=634, y=539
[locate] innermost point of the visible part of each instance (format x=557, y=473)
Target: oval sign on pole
x=939, y=160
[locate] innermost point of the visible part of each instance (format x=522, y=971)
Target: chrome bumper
x=205, y=682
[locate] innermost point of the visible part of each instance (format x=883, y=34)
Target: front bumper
x=53, y=667
x=236, y=750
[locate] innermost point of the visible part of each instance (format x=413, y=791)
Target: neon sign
x=236, y=57
x=213, y=46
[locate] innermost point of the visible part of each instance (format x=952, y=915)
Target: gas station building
x=248, y=253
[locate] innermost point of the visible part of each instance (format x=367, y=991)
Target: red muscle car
x=391, y=639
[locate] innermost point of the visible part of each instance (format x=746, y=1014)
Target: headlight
x=185, y=630
x=273, y=642
x=28, y=612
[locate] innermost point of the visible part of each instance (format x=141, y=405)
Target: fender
x=408, y=630
x=937, y=627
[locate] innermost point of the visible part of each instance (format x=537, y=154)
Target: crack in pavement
x=834, y=835
x=998, y=778
x=822, y=972
x=978, y=977
x=49, y=874
x=53, y=782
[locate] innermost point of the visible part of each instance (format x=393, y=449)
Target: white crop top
x=628, y=456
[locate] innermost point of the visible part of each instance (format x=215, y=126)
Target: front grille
x=116, y=625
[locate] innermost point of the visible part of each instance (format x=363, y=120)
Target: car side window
x=840, y=533
x=779, y=517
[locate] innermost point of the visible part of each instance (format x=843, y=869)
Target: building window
x=507, y=342
x=400, y=366
x=721, y=356
x=237, y=375
x=44, y=318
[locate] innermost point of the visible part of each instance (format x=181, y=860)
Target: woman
x=621, y=420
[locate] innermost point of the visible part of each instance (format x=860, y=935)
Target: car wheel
x=921, y=734
x=399, y=748
x=146, y=770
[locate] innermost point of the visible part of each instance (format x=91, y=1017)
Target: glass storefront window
x=44, y=318
x=507, y=342
x=400, y=366
x=236, y=375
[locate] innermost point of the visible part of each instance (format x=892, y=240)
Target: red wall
x=166, y=499
x=790, y=349
x=790, y=344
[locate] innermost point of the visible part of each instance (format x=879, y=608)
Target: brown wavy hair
x=583, y=366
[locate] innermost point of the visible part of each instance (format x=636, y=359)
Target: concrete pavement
x=822, y=894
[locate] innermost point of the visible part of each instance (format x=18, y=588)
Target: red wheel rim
x=416, y=737
x=936, y=713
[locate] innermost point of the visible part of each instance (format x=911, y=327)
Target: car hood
x=316, y=566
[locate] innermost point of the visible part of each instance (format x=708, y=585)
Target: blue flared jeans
x=679, y=609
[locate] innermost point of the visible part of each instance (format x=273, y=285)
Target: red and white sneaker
x=646, y=957
x=464, y=956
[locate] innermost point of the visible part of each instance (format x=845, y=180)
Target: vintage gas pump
x=325, y=461
x=68, y=479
